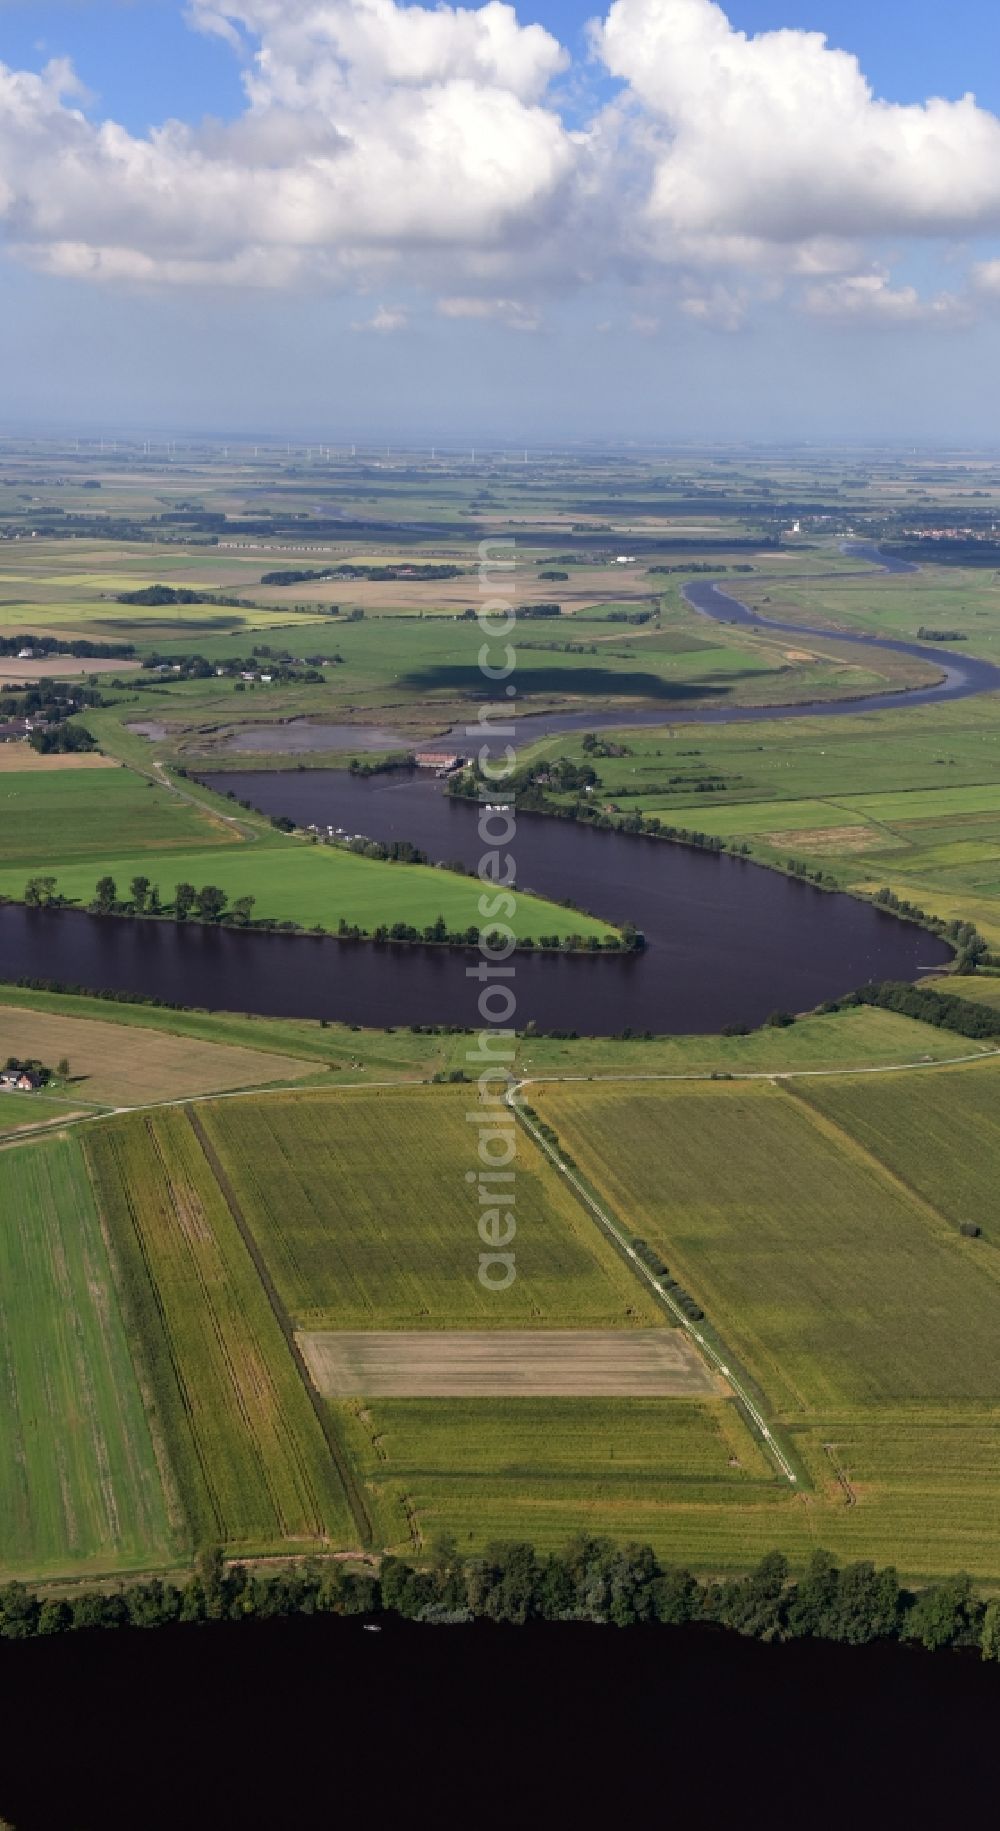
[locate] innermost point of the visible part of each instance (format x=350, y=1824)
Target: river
x=313, y=1721
x=728, y=942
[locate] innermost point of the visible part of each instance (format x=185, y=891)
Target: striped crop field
x=821, y=1234
x=940, y=1134
x=687, y=1477
x=252, y=1463
x=80, y=1489
x=832, y=1285
x=362, y=1210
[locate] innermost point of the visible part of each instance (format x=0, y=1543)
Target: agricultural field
x=855, y=1305
x=811, y=1261
x=512, y=1364
x=963, y=601
x=111, y=1065
x=672, y=1472
x=51, y=818
x=80, y=1489
x=252, y=1465
x=939, y=1134
x=860, y=1037
x=170, y=1279
x=19, y=760
x=21, y=1113
x=361, y=1234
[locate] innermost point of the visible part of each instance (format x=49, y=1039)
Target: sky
x=343, y=219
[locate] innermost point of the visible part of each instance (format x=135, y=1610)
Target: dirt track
x=573, y=1363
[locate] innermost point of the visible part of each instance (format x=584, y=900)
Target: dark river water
x=314, y=1722
x=728, y=942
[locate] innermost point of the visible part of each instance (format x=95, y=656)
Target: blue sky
x=143, y=61
x=573, y=302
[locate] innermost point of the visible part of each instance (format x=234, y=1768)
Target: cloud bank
x=385, y=147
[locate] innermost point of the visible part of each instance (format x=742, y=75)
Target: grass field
x=77, y=832
x=940, y=1134
x=79, y=1486
x=859, y=1038
x=51, y=819
x=251, y=1462
x=361, y=1207
x=113, y=1066
x=20, y=1113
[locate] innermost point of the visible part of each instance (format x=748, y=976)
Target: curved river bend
x=728, y=941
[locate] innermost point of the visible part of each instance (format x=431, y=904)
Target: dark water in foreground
x=319, y=1723
x=728, y=942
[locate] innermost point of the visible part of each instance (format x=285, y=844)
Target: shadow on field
x=597, y=683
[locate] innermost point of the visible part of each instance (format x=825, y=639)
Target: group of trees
x=209, y=904
x=943, y=1009
x=16, y=1064
x=971, y=948
x=80, y=645
x=62, y=739
x=591, y=1580
x=282, y=666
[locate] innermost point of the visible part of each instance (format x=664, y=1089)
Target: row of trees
x=591, y=1580
x=943, y=1009
x=211, y=904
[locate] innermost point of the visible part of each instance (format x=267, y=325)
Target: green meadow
x=80, y=1485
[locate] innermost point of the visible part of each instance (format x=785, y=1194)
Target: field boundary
x=352, y=1493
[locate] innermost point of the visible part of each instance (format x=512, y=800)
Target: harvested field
x=115, y=1066
x=61, y=667
x=20, y=759
x=520, y=1363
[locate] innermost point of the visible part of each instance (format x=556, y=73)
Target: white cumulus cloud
x=387, y=149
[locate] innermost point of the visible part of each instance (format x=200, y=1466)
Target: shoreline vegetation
x=210, y=906
x=971, y=948
x=942, y=1010
x=592, y=1580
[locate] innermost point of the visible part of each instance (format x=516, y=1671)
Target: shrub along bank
x=592, y=1580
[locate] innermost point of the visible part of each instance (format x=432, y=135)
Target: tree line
x=591, y=1580
x=945, y=1010
x=211, y=904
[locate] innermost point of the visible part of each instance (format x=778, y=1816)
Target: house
x=20, y=1080
x=443, y=761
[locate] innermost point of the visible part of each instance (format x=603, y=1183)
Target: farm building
x=442, y=760
x=19, y=1080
